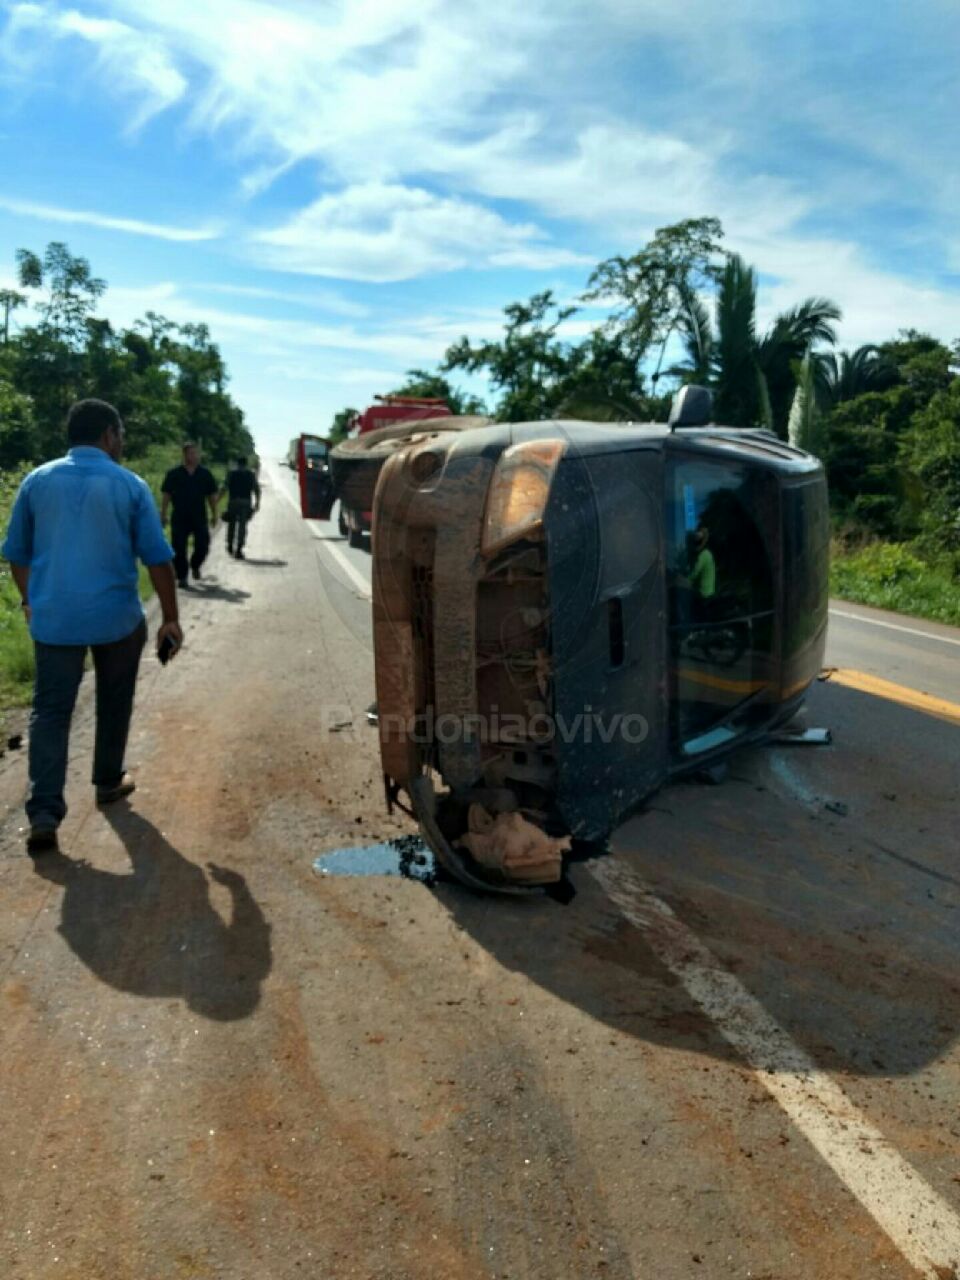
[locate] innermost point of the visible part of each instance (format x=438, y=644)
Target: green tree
x=421, y=383
x=879, y=466
x=72, y=290
x=862, y=455
x=528, y=365
x=165, y=380
x=605, y=384
x=930, y=450
x=922, y=362
x=844, y=375
x=209, y=415
x=344, y=421
x=10, y=300
x=19, y=440
x=753, y=377
x=650, y=291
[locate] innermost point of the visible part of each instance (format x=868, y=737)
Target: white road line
x=919, y=1221
x=894, y=626
x=350, y=570
x=354, y=574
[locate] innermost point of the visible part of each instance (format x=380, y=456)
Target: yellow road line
x=913, y=698
x=720, y=682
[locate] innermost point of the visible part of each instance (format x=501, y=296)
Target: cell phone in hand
x=168, y=647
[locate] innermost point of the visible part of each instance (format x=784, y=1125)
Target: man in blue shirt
x=77, y=529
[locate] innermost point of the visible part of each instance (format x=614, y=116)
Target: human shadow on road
x=265, y=564
x=211, y=591
x=843, y=924
x=153, y=931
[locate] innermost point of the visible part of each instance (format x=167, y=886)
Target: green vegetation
x=16, y=651
x=168, y=382
x=889, y=576
x=884, y=418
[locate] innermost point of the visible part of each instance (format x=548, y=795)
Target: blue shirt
x=80, y=523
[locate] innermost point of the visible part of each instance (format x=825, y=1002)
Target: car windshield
x=721, y=598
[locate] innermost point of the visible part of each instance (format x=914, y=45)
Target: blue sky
x=341, y=189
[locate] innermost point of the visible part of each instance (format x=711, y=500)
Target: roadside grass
x=888, y=575
x=16, y=648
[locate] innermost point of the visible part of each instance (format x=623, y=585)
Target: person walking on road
x=77, y=528
x=190, y=489
x=241, y=487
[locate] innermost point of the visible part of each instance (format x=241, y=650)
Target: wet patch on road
x=406, y=856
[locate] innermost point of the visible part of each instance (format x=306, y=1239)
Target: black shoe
x=183, y=584
x=42, y=840
x=241, y=556
x=196, y=573
x=229, y=549
x=125, y=787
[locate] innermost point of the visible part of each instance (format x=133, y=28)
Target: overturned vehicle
x=567, y=615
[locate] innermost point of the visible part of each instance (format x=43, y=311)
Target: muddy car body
x=546, y=654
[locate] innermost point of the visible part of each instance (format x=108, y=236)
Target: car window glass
x=720, y=598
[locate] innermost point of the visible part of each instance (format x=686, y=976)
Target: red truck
x=355, y=463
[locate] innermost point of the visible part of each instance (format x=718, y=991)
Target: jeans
x=179, y=536
x=59, y=672
x=239, y=512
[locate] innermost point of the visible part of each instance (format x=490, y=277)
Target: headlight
x=519, y=491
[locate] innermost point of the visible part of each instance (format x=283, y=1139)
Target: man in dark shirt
x=241, y=487
x=191, y=488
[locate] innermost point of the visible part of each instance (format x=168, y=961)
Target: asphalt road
x=829, y=875
x=735, y=1053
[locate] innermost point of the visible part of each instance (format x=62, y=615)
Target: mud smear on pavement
x=406, y=856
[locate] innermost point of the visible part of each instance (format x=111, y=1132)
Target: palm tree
x=10, y=299
x=846, y=374
x=753, y=378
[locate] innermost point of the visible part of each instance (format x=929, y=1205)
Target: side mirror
x=316, y=483
x=692, y=407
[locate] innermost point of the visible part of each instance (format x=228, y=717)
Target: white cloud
x=356, y=375
x=360, y=85
x=623, y=179
x=875, y=302
x=318, y=299
x=268, y=336
x=387, y=232
x=52, y=213
x=486, y=102
x=128, y=59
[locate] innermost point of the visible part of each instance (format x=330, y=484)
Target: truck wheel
x=356, y=538
x=342, y=524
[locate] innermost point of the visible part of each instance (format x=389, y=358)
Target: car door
x=313, y=473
